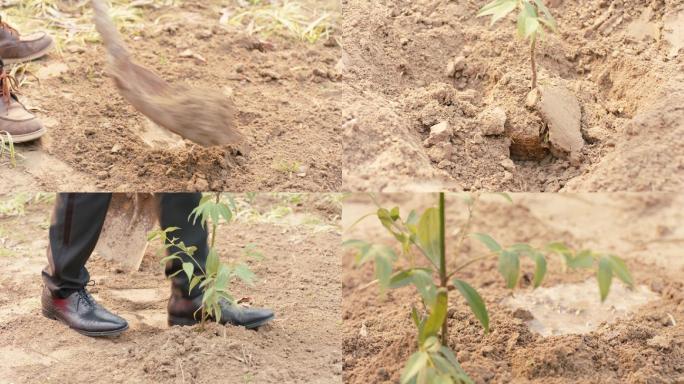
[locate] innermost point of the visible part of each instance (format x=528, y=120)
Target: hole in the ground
x=576, y=308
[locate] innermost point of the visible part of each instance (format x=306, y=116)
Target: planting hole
x=576, y=308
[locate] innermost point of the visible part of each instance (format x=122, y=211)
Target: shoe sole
x=35, y=56
x=116, y=332
x=18, y=139
x=185, y=322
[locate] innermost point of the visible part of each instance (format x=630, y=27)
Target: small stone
x=523, y=314
x=532, y=99
x=492, y=121
x=487, y=350
x=596, y=134
x=450, y=69
x=455, y=66
x=439, y=133
x=460, y=63
x=508, y=165
x=660, y=342
x=268, y=74
x=205, y=34
x=463, y=356
x=75, y=48
x=116, y=148
x=102, y=175
x=363, y=332
x=440, y=152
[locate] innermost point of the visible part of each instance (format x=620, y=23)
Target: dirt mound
x=432, y=62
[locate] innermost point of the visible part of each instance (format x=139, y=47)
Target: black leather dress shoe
x=81, y=313
x=182, y=312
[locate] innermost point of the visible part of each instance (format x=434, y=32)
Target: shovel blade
x=131, y=216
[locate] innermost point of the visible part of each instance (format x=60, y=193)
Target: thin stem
x=442, y=261
x=533, y=48
x=471, y=261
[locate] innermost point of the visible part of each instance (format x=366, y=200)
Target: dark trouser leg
x=174, y=211
x=76, y=224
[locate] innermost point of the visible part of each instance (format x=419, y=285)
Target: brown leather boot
x=19, y=49
x=15, y=119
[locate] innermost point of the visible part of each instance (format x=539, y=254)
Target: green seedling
x=422, y=244
x=214, y=279
x=534, y=18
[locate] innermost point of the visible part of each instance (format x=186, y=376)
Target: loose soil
x=298, y=279
x=286, y=94
x=609, y=117
x=644, y=345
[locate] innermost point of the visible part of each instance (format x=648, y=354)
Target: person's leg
x=76, y=224
x=183, y=305
x=175, y=208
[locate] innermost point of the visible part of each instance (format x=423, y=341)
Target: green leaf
x=488, y=241
x=212, y=263
x=189, y=269
x=243, y=272
x=475, y=302
x=394, y=214
x=195, y=280
x=548, y=19
x=509, y=267
x=540, y=268
x=383, y=269
x=437, y=316
x=428, y=234
x=426, y=286
x=415, y=363
x=605, y=277
x=401, y=279
x=528, y=24
x=498, y=9
x=583, y=259
x=443, y=365
x=621, y=271
x=415, y=317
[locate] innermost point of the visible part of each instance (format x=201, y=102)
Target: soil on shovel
x=286, y=94
x=607, y=116
x=537, y=336
x=298, y=278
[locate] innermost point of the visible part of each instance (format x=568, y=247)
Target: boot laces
x=12, y=31
x=8, y=84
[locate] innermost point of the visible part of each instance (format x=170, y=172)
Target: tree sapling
x=533, y=18
x=214, y=278
x=424, y=235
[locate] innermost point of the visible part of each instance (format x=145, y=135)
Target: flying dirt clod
x=204, y=116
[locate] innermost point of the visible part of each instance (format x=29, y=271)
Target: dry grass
x=7, y=151
x=305, y=22
x=69, y=21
